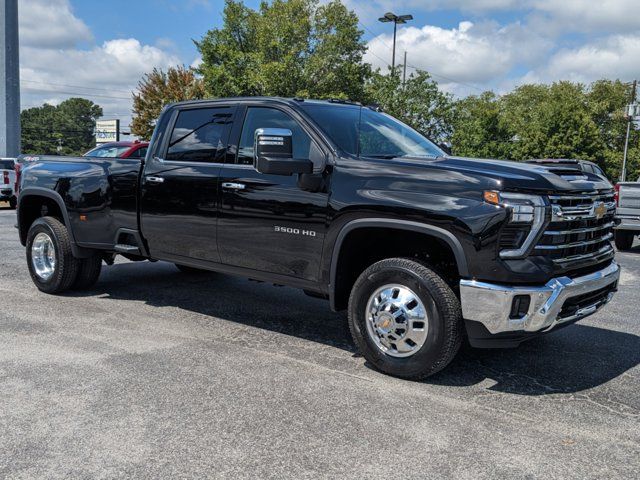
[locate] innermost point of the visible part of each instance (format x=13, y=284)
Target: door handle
x=233, y=186
x=155, y=179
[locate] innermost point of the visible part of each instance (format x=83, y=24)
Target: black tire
x=191, y=270
x=445, y=327
x=624, y=239
x=66, y=265
x=13, y=203
x=88, y=272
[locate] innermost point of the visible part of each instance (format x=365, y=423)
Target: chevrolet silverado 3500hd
x=346, y=203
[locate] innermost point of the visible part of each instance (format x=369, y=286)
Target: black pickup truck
x=346, y=203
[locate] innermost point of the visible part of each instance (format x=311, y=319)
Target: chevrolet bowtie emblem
x=600, y=210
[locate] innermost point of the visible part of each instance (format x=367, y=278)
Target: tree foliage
x=67, y=129
x=561, y=120
x=419, y=103
x=285, y=48
x=159, y=88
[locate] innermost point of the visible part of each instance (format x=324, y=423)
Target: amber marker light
x=491, y=196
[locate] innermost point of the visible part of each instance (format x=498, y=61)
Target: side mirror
x=273, y=153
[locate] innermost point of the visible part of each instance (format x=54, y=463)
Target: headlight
x=528, y=213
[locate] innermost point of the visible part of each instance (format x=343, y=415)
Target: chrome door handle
x=154, y=179
x=233, y=186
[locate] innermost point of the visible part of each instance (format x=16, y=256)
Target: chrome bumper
x=490, y=304
x=628, y=222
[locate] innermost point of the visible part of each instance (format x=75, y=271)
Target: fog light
x=520, y=306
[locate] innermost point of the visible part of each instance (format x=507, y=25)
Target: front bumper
x=491, y=305
x=628, y=222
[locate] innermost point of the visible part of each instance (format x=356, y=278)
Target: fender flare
x=77, y=251
x=437, y=232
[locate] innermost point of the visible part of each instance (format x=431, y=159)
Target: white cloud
x=50, y=24
x=54, y=65
x=470, y=53
x=612, y=16
x=611, y=57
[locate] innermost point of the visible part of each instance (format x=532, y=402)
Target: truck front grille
x=581, y=229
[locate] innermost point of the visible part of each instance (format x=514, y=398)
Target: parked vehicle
x=135, y=149
x=346, y=203
x=562, y=164
x=8, y=181
x=627, y=214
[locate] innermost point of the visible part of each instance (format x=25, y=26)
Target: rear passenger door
x=179, y=211
x=271, y=223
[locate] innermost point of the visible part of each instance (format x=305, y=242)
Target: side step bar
x=130, y=249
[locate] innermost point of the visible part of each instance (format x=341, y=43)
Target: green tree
x=67, y=129
x=285, y=48
x=157, y=89
x=551, y=121
x=478, y=129
x=420, y=103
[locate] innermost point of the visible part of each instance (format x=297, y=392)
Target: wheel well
x=33, y=207
x=365, y=246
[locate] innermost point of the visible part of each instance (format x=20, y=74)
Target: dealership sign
x=107, y=131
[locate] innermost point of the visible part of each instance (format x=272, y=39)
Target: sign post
x=107, y=131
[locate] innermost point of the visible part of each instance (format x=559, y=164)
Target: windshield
x=7, y=164
x=107, y=152
x=363, y=132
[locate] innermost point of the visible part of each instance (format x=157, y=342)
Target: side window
x=263, y=117
x=199, y=135
x=140, y=153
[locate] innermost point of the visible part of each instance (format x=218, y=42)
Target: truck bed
x=100, y=194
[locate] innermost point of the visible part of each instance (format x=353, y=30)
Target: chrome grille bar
x=608, y=236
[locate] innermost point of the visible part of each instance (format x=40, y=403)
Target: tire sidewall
x=429, y=353
x=54, y=282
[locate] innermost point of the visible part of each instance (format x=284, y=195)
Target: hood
x=516, y=176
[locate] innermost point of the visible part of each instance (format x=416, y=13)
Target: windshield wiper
x=383, y=156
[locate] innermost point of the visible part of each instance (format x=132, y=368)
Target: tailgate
x=629, y=196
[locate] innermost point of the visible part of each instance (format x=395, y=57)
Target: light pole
x=9, y=80
x=396, y=19
x=623, y=174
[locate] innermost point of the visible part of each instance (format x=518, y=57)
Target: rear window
x=7, y=164
x=107, y=152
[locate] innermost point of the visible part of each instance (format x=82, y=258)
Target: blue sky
x=101, y=49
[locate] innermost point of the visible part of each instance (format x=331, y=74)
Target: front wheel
x=52, y=266
x=624, y=239
x=405, y=319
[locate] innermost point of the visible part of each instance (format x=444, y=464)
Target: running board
x=130, y=249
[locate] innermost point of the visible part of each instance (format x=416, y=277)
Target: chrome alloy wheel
x=397, y=320
x=43, y=256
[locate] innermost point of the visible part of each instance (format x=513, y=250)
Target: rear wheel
x=13, y=202
x=88, y=272
x=624, y=239
x=52, y=266
x=405, y=319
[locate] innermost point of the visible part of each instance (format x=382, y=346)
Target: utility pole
x=396, y=19
x=404, y=71
x=623, y=175
x=9, y=80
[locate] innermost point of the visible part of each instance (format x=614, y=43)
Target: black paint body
x=192, y=219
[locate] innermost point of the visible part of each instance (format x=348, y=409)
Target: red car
x=135, y=149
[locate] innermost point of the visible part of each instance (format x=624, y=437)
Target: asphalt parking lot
x=158, y=374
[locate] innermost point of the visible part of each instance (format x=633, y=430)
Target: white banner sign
x=107, y=131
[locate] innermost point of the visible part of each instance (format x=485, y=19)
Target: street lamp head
x=392, y=17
